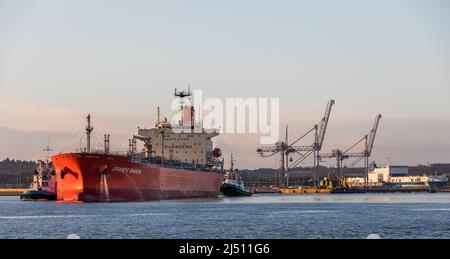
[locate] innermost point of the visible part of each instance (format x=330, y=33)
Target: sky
x=119, y=60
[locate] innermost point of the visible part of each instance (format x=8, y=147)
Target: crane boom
x=143, y=139
x=324, y=124
x=373, y=134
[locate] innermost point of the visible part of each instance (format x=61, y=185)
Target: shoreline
x=11, y=191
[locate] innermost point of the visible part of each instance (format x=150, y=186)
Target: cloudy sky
x=119, y=60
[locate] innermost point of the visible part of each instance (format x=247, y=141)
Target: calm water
x=261, y=216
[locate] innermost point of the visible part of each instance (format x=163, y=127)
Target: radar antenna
x=182, y=95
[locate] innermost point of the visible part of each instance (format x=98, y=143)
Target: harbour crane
x=319, y=137
x=285, y=149
x=368, y=140
x=369, y=143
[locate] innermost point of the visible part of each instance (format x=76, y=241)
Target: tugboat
x=233, y=186
x=44, y=183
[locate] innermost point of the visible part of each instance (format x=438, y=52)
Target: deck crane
x=148, y=148
x=368, y=140
x=285, y=149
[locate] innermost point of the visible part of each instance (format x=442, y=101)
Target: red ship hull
x=99, y=178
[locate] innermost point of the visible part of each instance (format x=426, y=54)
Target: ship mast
x=107, y=143
x=47, y=150
x=182, y=95
x=89, y=129
x=232, y=163
x=159, y=116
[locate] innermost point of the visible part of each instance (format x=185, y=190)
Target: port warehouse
x=19, y=174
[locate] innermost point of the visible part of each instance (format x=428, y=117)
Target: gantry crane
x=368, y=140
x=285, y=149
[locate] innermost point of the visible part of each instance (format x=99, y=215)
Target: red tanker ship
x=176, y=162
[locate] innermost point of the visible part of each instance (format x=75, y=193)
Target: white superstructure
x=397, y=176
x=186, y=141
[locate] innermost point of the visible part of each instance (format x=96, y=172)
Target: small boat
x=44, y=183
x=33, y=195
x=233, y=186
